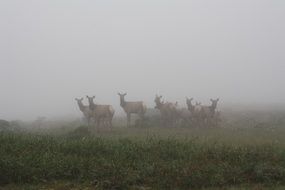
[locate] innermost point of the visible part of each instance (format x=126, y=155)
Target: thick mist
x=54, y=51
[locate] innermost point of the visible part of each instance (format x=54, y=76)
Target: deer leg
x=139, y=120
x=110, y=123
x=91, y=124
x=163, y=120
x=105, y=122
x=128, y=119
x=110, y=120
x=102, y=124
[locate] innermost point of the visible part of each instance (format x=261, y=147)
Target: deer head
x=91, y=102
x=214, y=103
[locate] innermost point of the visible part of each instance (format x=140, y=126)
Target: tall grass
x=160, y=162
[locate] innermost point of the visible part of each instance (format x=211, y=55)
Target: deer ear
x=125, y=94
x=160, y=96
x=87, y=96
x=93, y=97
x=218, y=99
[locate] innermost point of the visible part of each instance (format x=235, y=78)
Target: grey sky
x=53, y=51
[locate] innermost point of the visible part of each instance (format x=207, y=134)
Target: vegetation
x=142, y=158
x=247, y=151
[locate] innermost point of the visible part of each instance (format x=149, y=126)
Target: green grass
x=153, y=158
x=64, y=185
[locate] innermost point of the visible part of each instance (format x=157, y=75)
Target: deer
x=190, y=106
x=101, y=113
x=167, y=110
x=87, y=113
x=137, y=107
x=196, y=110
x=208, y=112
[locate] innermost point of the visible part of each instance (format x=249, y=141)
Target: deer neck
x=122, y=102
x=81, y=106
x=159, y=105
x=213, y=107
x=92, y=105
x=191, y=107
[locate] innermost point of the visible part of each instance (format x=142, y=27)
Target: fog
x=54, y=51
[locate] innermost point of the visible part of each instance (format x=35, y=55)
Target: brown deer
x=167, y=110
x=137, y=107
x=103, y=114
x=208, y=113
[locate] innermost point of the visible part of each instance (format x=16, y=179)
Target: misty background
x=54, y=51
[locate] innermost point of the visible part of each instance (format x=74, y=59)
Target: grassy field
x=231, y=157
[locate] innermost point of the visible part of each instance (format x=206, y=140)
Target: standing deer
x=84, y=109
x=195, y=111
x=102, y=113
x=138, y=108
x=191, y=107
x=167, y=110
x=208, y=112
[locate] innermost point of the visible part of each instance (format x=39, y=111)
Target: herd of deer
x=170, y=112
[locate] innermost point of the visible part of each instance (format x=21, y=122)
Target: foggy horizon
x=52, y=53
